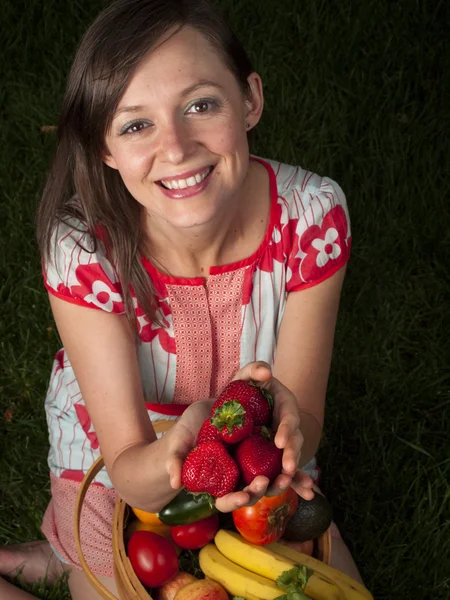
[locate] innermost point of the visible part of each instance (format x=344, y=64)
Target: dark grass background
x=358, y=91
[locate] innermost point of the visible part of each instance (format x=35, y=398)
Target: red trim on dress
x=70, y=299
x=217, y=270
x=328, y=274
x=171, y=410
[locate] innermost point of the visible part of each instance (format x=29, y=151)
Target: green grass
x=354, y=90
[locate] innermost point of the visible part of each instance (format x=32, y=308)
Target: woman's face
x=179, y=136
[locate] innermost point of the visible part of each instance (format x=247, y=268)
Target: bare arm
x=101, y=348
x=304, y=351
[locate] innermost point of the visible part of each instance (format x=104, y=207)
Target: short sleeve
x=80, y=273
x=320, y=234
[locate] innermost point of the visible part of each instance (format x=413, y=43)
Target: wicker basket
x=128, y=585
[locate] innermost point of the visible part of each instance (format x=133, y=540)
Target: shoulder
x=78, y=269
x=299, y=190
x=311, y=224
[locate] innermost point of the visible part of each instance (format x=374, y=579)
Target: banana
x=258, y=559
x=353, y=589
x=236, y=580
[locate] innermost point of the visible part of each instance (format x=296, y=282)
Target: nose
x=175, y=143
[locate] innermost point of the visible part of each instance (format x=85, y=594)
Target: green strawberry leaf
x=268, y=396
x=266, y=433
x=230, y=414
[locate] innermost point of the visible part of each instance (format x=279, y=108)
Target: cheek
x=229, y=139
x=132, y=165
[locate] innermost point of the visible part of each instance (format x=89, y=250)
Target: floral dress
x=209, y=328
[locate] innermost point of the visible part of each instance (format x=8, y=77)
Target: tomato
x=152, y=557
x=195, y=535
x=265, y=521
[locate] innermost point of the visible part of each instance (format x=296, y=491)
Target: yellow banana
x=266, y=563
x=353, y=589
x=236, y=580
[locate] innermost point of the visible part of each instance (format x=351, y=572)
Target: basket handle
x=160, y=427
x=88, y=479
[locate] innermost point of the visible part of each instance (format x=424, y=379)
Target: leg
x=33, y=560
x=8, y=591
x=81, y=589
x=342, y=559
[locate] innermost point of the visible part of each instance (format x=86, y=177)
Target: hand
x=288, y=437
x=181, y=438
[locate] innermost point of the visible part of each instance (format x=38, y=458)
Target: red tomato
x=152, y=557
x=195, y=535
x=265, y=521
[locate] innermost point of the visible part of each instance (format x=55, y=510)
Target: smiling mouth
x=181, y=184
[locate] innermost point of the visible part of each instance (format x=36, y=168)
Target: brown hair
x=105, y=61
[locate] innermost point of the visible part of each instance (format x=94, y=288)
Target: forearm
x=140, y=476
x=312, y=432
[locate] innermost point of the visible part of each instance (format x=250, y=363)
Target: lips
x=188, y=180
x=189, y=185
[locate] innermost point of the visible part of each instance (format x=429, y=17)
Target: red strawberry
x=233, y=422
x=209, y=468
x=258, y=400
x=258, y=455
x=207, y=432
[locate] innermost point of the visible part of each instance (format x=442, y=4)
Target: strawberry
x=258, y=400
x=258, y=455
x=207, y=432
x=208, y=468
x=233, y=422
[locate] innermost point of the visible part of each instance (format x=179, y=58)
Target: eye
x=134, y=127
x=206, y=105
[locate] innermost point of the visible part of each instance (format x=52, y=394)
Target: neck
x=190, y=252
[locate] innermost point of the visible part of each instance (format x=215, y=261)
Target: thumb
x=174, y=467
x=254, y=371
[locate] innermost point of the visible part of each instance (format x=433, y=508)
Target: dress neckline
x=234, y=266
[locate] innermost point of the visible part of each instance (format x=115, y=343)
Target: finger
x=256, y=489
x=303, y=485
x=174, y=467
x=292, y=453
x=289, y=426
x=254, y=371
x=279, y=486
x=232, y=501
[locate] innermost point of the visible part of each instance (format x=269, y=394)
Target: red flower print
x=149, y=331
x=325, y=247
x=97, y=288
x=85, y=422
x=247, y=287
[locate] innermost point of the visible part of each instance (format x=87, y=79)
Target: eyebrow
x=189, y=90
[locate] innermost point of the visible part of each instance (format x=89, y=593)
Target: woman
x=175, y=262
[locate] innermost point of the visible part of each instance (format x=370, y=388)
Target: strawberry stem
x=230, y=414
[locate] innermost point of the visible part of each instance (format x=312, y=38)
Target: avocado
x=311, y=519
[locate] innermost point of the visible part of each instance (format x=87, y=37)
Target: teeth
x=181, y=184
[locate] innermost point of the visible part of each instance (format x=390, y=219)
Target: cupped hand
x=286, y=420
x=182, y=437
